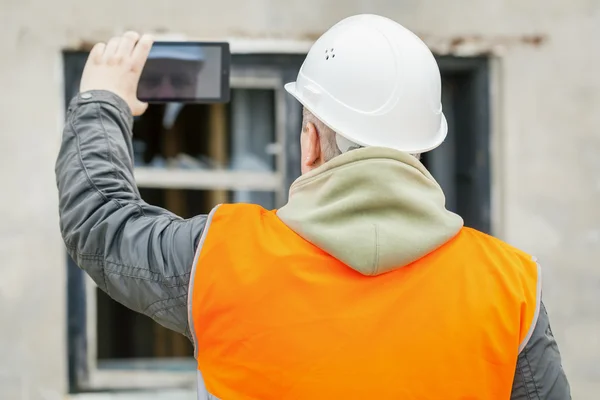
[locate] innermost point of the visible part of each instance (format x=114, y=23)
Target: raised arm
x=139, y=254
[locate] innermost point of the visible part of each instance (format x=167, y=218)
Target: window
x=190, y=158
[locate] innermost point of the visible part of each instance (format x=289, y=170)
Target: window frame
x=471, y=118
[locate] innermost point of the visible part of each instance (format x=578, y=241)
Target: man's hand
x=117, y=66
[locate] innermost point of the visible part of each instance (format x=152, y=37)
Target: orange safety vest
x=274, y=317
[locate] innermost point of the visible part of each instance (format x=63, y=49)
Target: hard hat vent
x=329, y=53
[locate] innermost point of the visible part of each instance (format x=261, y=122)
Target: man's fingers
x=127, y=43
x=139, y=108
x=140, y=53
x=116, y=67
x=110, y=53
x=97, y=53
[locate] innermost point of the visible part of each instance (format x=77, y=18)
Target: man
x=362, y=286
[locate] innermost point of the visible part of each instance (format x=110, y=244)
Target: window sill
x=166, y=178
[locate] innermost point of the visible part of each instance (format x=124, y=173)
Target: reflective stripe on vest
x=274, y=317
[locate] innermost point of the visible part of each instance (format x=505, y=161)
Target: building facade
x=539, y=120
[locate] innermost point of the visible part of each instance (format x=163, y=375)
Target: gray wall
x=546, y=145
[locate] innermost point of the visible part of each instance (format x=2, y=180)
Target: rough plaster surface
x=546, y=146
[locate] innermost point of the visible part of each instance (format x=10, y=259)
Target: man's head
x=320, y=144
x=368, y=82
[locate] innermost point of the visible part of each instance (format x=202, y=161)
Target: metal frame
x=266, y=77
x=471, y=119
x=164, y=178
x=114, y=378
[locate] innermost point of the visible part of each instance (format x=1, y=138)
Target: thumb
x=138, y=108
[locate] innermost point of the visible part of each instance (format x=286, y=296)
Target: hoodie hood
x=375, y=209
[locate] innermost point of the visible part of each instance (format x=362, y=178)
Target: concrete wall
x=546, y=145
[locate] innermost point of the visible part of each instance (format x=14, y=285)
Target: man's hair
x=329, y=147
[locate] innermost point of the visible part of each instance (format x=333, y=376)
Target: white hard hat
x=375, y=83
x=177, y=52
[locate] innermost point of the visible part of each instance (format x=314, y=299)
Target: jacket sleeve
x=539, y=374
x=139, y=254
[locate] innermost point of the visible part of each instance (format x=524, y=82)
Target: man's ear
x=311, y=147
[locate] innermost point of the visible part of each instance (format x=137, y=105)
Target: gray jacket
x=142, y=255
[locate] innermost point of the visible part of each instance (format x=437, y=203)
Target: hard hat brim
x=436, y=142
